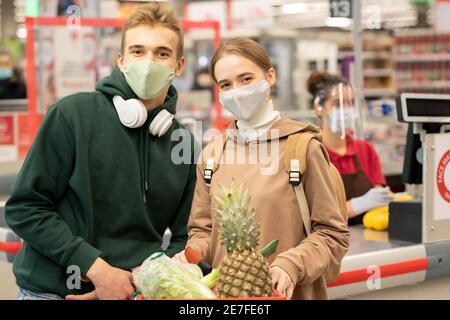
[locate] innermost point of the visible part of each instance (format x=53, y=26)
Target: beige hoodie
x=305, y=259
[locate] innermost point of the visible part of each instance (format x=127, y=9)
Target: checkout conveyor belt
x=376, y=262
x=371, y=256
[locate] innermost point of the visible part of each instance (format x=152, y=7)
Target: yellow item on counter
x=402, y=197
x=373, y=235
x=378, y=218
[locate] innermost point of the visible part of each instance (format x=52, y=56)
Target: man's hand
x=180, y=257
x=110, y=283
x=282, y=281
x=88, y=296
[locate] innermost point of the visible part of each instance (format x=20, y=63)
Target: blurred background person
x=356, y=160
x=12, y=85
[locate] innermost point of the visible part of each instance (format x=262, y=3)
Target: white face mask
x=247, y=101
x=339, y=122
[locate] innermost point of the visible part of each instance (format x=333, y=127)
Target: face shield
x=344, y=117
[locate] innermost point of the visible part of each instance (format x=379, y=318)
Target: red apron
x=356, y=184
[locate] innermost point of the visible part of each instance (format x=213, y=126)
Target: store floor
x=8, y=288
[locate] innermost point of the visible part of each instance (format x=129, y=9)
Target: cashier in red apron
x=356, y=160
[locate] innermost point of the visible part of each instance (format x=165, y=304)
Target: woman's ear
x=319, y=112
x=271, y=77
x=318, y=108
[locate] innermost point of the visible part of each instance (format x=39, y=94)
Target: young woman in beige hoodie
x=245, y=77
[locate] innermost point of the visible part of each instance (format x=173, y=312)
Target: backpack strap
x=209, y=170
x=304, y=209
x=295, y=159
x=213, y=159
x=296, y=148
x=295, y=164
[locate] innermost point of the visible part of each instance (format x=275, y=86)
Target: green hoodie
x=92, y=187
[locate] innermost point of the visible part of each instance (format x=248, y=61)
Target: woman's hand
x=374, y=198
x=282, y=281
x=180, y=257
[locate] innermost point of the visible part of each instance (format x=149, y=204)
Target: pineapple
x=244, y=271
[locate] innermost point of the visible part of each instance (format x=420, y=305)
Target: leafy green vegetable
x=193, y=269
x=270, y=249
x=160, y=277
x=212, y=278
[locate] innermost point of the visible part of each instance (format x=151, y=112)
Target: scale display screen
x=424, y=108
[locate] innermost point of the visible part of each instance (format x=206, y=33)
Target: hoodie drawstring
x=143, y=155
x=142, y=163
x=146, y=159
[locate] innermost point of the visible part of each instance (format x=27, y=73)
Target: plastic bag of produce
x=160, y=277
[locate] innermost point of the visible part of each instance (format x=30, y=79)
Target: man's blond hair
x=155, y=14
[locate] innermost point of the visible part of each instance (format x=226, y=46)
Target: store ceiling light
x=294, y=8
x=203, y=61
x=338, y=22
x=21, y=33
x=299, y=14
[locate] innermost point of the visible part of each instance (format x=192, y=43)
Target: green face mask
x=148, y=79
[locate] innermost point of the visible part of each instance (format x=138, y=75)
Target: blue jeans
x=29, y=295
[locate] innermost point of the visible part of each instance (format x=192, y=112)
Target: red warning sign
x=442, y=166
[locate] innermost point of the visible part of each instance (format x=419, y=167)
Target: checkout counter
x=412, y=259
x=378, y=266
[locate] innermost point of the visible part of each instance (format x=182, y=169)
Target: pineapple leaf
x=238, y=227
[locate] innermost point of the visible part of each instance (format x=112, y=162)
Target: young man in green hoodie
x=99, y=186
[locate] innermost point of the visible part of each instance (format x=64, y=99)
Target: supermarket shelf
x=389, y=120
x=344, y=54
x=376, y=73
x=368, y=55
x=428, y=57
x=378, y=67
x=379, y=92
x=375, y=55
x=432, y=85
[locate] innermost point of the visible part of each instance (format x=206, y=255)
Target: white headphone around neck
x=133, y=114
